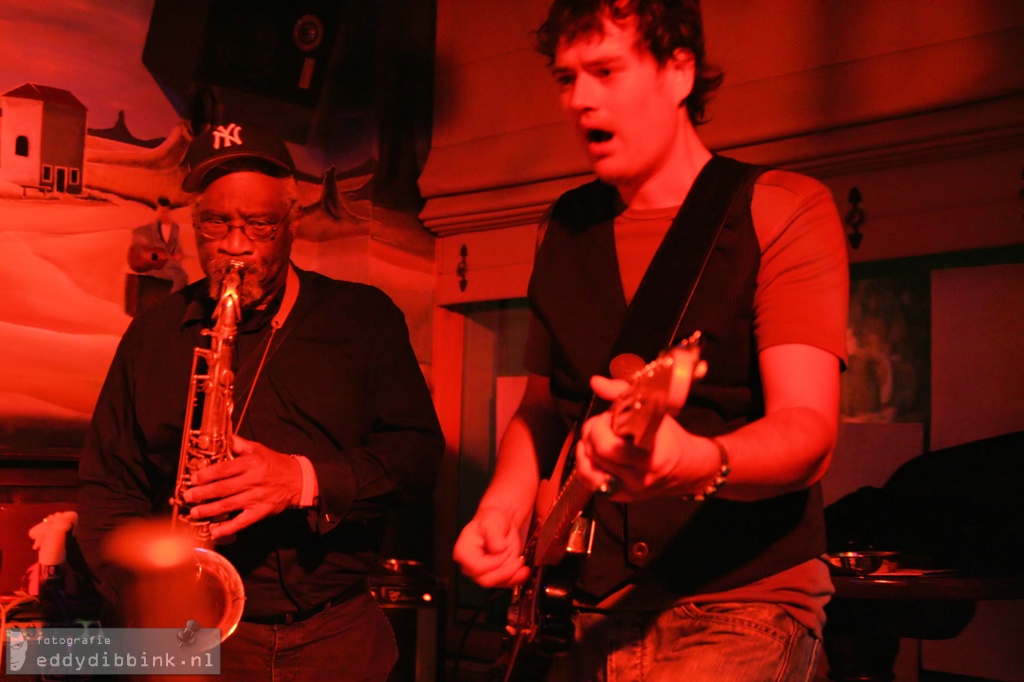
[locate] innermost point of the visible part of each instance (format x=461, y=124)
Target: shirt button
x=639, y=550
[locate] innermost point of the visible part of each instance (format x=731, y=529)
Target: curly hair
x=663, y=26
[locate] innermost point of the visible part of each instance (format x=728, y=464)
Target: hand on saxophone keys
x=257, y=483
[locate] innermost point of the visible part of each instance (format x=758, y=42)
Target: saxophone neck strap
x=291, y=294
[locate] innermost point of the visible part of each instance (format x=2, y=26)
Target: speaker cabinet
x=251, y=57
x=413, y=602
x=279, y=50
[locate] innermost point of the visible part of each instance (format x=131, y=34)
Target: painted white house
x=42, y=138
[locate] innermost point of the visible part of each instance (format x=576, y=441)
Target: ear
x=681, y=70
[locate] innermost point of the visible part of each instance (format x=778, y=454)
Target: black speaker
x=275, y=49
x=413, y=601
x=251, y=57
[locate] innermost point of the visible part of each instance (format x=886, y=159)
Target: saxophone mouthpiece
x=233, y=278
x=229, y=303
x=232, y=284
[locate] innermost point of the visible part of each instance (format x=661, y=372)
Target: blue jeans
x=725, y=642
x=352, y=641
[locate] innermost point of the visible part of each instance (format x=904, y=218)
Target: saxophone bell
x=172, y=581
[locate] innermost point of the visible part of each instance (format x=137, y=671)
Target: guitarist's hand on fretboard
x=667, y=460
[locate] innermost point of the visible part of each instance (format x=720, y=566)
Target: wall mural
x=90, y=162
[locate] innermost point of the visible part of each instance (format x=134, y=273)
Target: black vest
x=576, y=292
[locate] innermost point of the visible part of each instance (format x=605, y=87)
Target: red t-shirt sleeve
x=803, y=284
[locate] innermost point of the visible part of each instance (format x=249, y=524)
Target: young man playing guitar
x=702, y=558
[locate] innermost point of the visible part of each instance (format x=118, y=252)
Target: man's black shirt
x=341, y=386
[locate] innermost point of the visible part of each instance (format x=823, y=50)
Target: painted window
x=21, y=146
x=47, y=172
x=73, y=176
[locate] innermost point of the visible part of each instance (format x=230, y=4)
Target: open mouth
x=598, y=135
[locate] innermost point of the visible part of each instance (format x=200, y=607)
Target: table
x=869, y=614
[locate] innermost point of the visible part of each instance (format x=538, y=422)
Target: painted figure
x=156, y=249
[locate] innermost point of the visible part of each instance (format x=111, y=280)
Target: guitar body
x=549, y=488
x=541, y=611
x=540, y=615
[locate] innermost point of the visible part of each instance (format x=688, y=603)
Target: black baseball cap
x=221, y=143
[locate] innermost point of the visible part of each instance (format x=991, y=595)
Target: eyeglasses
x=256, y=229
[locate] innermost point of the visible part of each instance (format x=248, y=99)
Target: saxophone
x=210, y=443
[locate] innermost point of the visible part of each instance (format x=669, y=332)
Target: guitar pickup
x=581, y=536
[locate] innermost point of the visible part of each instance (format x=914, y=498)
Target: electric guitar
x=540, y=614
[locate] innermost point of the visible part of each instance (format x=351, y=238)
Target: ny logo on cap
x=227, y=135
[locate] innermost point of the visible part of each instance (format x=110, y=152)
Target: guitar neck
x=549, y=541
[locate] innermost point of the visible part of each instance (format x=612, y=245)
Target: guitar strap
x=653, y=319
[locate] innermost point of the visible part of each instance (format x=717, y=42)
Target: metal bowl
x=862, y=563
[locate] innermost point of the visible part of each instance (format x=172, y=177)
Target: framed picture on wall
x=889, y=375
x=887, y=379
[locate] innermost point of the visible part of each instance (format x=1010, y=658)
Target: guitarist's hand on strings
x=678, y=462
x=489, y=549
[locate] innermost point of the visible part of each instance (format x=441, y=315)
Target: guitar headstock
x=659, y=388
